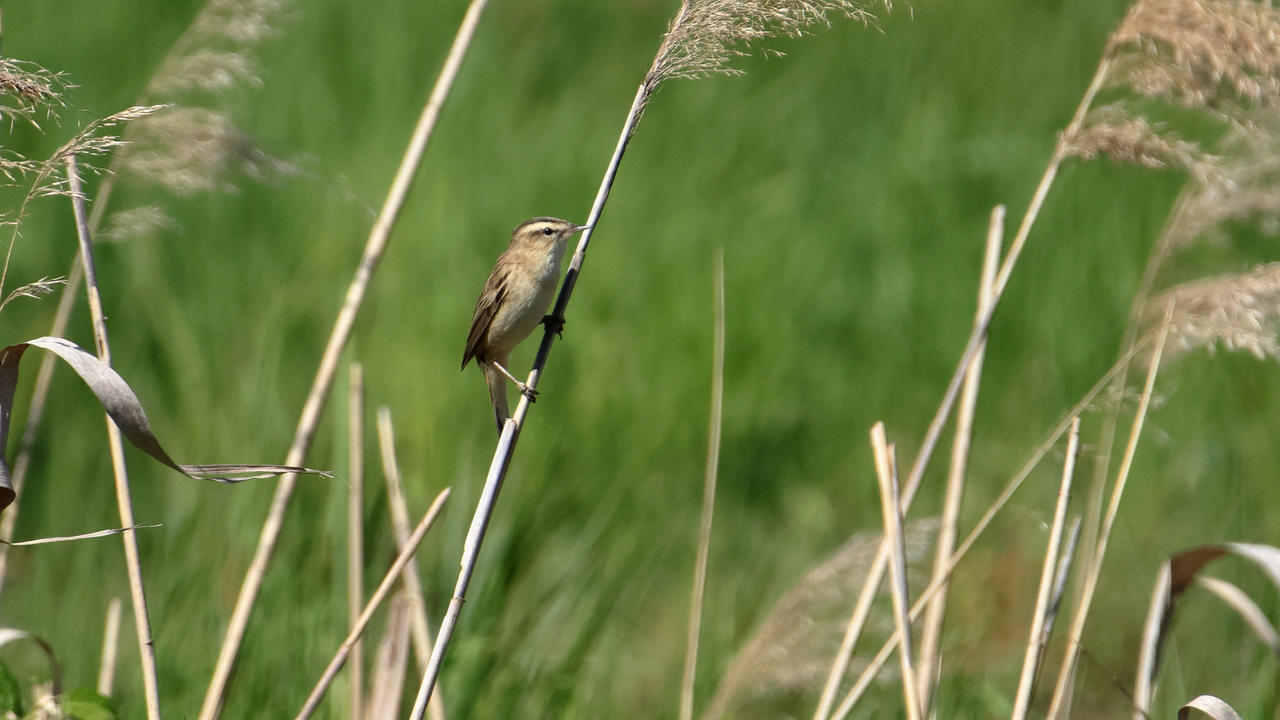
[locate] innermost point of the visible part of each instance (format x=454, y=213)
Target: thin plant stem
x=976, y=337
x=379, y=236
x=868, y=674
x=355, y=534
x=1037, y=636
x=931, y=634
x=511, y=429
x=398, y=508
x=887, y=475
x=124, y=502
x=375, y=601
x=1094, y=570
x=110, y=648
x=708, y=497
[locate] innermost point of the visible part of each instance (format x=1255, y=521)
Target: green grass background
x=849, y=183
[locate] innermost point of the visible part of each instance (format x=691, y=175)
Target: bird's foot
x=554, y=324
x=528, y=392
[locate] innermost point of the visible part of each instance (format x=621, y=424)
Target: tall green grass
x=849, y=183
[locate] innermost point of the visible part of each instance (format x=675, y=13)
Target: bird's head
x=543, y=231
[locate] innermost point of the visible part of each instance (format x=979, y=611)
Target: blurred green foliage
x=849, y=183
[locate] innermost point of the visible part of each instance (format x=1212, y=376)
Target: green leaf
x=10, y=692
x=86, y=704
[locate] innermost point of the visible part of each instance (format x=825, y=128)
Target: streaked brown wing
x=486, y=308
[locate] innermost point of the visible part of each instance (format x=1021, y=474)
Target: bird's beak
x=580, y=228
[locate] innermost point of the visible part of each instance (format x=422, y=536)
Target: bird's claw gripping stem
x=555, y=324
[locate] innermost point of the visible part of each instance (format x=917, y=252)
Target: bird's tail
x=497, y=393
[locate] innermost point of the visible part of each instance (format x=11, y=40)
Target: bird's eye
x=546, y=230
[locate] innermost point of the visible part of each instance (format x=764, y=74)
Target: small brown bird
x=514, y=301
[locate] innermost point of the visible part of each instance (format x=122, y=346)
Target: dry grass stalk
x=1238, y=311
x=29, y=91
x=215, y=52
x=708, y=495
x=1113, y=131
x=141, y=619
x=48, y=175
x=398, y=508
x=190, y=150
x=697, y=43
x=355, y=534
x=1217, y=54
x=375, y=601
x=110, y=649
x=789, y=653
x=707, y=34
x=1038, y=636
x=887, y=474
x=877, y=663
x=931, y=635
x=309, y=419
x=1094, y=570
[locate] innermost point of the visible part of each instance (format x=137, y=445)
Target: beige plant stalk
x=376, y=245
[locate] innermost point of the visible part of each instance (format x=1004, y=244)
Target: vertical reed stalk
x=868, y=674
x=1038, y=635
x=379, y=236
x=708, y=497
x=887, y=474
x=355, y=533
x=398, y=508
x=931, y=636
x=976, y=337
x=124, y=502
x=1094, y=570
x=110, y=649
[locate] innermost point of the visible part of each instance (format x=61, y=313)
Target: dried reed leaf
x=1238, y=311
x=1211, y=705
x=122, y=405
x=707, y=34
x=1176, y=575
x=82, y=536
x=1222, y=55
x=785, y=662
x=190, y=150
x=1245, y=607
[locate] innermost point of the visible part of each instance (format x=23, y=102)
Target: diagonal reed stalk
x=708, y=497
x=931, y=635
x=891, y=510
x=1094, y=570
x=355, y=533
x=511, y=430
x=703, y=37
x=375, y=601
x=398, y=508
x=1038, y=634
x=137, y=590
x=379, y=236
